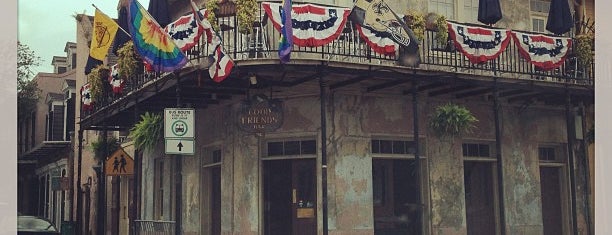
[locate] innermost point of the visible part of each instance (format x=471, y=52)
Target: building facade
x=44, y=141
x=338, y=140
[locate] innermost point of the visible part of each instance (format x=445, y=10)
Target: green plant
x=211, y=7
x=416, y=21
x=451, y=120
x=246, y=15
x=584, y=48
x=96, y=78
x=442, y=30
x=98, y=147
x=127, y=61
x=148, y=131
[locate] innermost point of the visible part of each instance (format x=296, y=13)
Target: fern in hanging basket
x=96, y=78
x=245, y=11
x=112, y=144
x=148, y=131
x=450, y=120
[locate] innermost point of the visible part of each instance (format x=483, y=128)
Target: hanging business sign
x=260, y=114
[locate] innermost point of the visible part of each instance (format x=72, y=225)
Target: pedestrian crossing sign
x=119, y=163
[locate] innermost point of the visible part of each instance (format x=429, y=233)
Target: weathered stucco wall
x=352, y=121
x=350, y=168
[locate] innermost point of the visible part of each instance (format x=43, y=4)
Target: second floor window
x=443, y=7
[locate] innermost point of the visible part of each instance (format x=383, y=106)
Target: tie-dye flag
x=151, y=41
x=286, y=40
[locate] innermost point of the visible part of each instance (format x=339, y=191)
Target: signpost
x=179, y=131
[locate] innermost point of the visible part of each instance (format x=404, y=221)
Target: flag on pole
x=377, y=16
x=104, y=30
x=152, y=43
x=222, y=65
x=286, y=40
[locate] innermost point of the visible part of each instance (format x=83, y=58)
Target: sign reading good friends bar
x=260, y=114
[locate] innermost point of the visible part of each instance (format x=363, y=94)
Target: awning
x=44, y=149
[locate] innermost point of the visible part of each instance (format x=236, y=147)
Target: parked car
x=34, y=225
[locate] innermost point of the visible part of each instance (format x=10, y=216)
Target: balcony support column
x=571, y=137
x=179, y=168
x=500, y=162
x=323, y=95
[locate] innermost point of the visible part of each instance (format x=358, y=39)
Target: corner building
x=337, y=141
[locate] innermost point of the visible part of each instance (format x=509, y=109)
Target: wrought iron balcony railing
x=262, y=44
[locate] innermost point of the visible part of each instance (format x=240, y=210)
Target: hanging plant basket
x=148, y=131
x=112, y=144
x=451, y=120
x=97, y=78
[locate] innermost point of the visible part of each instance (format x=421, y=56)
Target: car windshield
x=34, y=224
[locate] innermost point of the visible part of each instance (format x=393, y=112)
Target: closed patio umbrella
x=159, y=10
x=489, y=11
x=560, y=18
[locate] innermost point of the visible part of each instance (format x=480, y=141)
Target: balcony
x=346, y=61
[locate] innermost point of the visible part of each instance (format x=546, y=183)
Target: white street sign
x=178, y=123
x=180, y=146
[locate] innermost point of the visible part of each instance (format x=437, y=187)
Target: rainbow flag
x=151, y=41
x=286, y=40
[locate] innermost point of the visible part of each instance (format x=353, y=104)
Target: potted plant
x=148, y=131
x=245, y=11
x=96, y=78
x=212, y=6
x=451, y=120
x=128, y=62
x=101, y=151
x=584, y=48
x=415, y=21
x=437, y=23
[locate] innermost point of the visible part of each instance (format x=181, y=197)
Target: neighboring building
x=44, y=143
x=339, y=139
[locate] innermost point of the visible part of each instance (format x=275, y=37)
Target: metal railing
x=154, y=227
x=349, y=47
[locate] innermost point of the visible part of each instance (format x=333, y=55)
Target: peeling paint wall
x=350, y=168
x=353, y=120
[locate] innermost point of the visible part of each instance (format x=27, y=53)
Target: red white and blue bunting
x=114, y=80
x=479, y=44
x=544, y=52
x=313, y=25
x=185, y=30
x=380, y=42
x=86, y=100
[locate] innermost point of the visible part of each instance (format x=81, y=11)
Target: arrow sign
x=180, y=146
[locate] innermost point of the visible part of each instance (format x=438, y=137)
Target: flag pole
x=126, y=32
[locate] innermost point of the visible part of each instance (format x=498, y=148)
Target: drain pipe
x=179, y=168
x=498, y=155
x=571, y=136
x=79, y=213
x=323, y=87
x=417, y=157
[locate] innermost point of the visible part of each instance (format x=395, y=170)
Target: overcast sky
x=46, y=26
